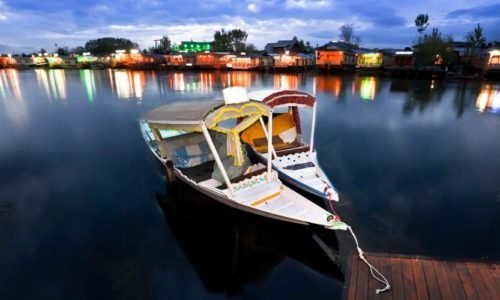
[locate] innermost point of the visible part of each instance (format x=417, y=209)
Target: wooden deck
x=414, y=277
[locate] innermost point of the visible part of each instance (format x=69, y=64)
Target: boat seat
x=242, y=177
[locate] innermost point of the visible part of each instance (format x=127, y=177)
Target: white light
x=243, y=53
x=189, y=64
x=404, y=52
x=206, y=51
x=86, y=53
x=56, y=55
x=120, y=51
x=287, y=52
x=134, y=51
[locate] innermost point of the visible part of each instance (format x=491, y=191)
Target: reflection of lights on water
x=286, y=82
x=433, y=84
x=203, y=83
x=128, y=84
x=88, y=81
x=367, y=90
x=10, y=90
x=43, y=81
x=237, y=78
x=57, y=81
x=329, y=84
x=489, y=98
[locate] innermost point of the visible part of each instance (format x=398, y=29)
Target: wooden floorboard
x=422, y=278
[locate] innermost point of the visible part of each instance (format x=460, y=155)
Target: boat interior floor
x=200, y=172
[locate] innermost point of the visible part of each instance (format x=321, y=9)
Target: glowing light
x=134, y=51
x=404, y=52
x=87, y=78
x=129, y=84
x=489, y=98
x=10, y=93
x=120, y=51
x=57, y=80
x=286, y=81
x=368, y=87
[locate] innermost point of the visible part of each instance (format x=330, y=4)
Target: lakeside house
x=212, y=60
x=373, y=61
x=492, y=62
x=133, y=59
x=286, y=56
x=336, y=56
x=7, y=61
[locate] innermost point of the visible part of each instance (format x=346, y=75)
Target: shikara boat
x=198, y=142
x=295, y=160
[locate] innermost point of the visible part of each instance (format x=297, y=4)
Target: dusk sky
x=382, y=24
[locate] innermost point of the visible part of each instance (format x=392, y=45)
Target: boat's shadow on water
x=229, y=248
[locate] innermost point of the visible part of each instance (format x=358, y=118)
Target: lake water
x=85, y=213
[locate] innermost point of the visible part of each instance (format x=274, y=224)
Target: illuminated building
x=193, y=47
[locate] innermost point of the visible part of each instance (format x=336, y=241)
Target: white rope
x=375, y=273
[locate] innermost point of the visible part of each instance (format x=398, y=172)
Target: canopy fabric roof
x=181, y=113
x=276, y=98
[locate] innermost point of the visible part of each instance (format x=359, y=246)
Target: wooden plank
x=495, y=271
x=385, y=269
x=466, y=280
x=409, y=288
x=397, y=278
x=489, y=281
x=455, y=282
x=352, y=273
x=373, y=284
x=431, y=280
x=442, y=279
x=362, y=284
x=418, y=275
x=477, y=281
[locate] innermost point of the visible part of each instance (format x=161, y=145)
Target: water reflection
x=368, y=88
x=127, y=84
x=237, y=78
x=88, y=82
x=488, y=99
x=231, y=249
x=286, y=81
x=199, y=82
x=53, y=82
x=329, y=84
x=424, y=94
x=10, y=93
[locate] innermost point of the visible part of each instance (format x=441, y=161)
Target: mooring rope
x=375, y=273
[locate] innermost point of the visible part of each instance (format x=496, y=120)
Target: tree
x=62, y=51
x=78, y=50
x=347, y=34
x=433, y=45
x=422, y=22
x=232, y=41
x=476, y=38
x=303, y=47
x=107, y=45
x=165, y=45
x=43, y=51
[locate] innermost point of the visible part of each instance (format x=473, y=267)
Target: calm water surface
x=85, y=214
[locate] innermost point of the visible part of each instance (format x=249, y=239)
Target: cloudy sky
x=382, y=23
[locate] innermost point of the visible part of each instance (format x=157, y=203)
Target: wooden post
x=313, y=125
x=217, y=157
x=269, y=146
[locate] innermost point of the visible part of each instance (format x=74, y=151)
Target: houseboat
x=85, y=61
x=199, y=144
x=336, y=56
x=133, y=60
x=244, y=62
x=373, y=62
x=404, y=63
x=212, y=60
x=292, y=61
x=492, y=63
x=7, y=62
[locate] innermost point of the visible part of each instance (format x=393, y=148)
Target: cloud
x=489, y=11
x=306, y=4
x=252, y=7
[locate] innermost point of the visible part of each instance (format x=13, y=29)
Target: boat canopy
x=195, y=115
x=281, y=98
